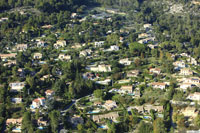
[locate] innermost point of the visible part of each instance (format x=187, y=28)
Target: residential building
x=126, y=89
x=4, y=57
x=16, y=123
x=185, y=86
x=60, y=43
x=133, y=73
x=143, y=35
x=100, y=68
x=147, y=26
x=16, y=100
x=37, y=56
x=112, y=116
x=195, y=96
x=41, y=122
x=190, y=112
x=193, y=80
x=21, y=47
x=49, y=93
x=114, y=48
x=179, y=64
x=158, y=85
x=98, y=44
x=125, y=61
x=17, y=86
x=186, y=71
x=109, y=104
x=37, y=103
x=64, y=57
x=150, y=107
x=155, y=70
x=140, y=109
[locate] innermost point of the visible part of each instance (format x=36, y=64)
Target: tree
x=144, y=127
x=137, y=48
x=159, y=126
x=197, y=121
x=27, y=125
x=54, y=120
x=99, y=93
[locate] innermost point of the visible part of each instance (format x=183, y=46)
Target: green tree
x=27, y=124
x=99, y=93
x=54, y=120
x=159, y=126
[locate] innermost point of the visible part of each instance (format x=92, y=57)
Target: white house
x=185, y=86
x=179, y=64
x=100, y=68
x=186, y=71
x=126, y=89
x=114, y=48
x=155, y=70
x=37, y=56
x=193, y=80
x=17, y=86
x=99, y=44
x=195, y=96
x=158, y=85
x=133, y=73
x=16, y=100
x=36, y=103
x=125, y=61
x=49, y=93
x=64, y=57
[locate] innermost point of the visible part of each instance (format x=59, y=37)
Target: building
x=37, y=56
x=49, y=93
x=147, y=26
x=60, y=43
x=98, y=44
x=16, y=123
x=114, y=48
x=100, y=68
x=41, y=44
x=4, y=57
x=195, y=96
x=17, y=86
x=185, y=86
x=149, y=107
x=125, y=62
x=64, y=57
x=143, y=35
x=158, y=85
x=37, y=103
x=21, y=47
x=193, y=80
x=133, y=73
x=155, y=70
x=186, y=72
x=109, y=104
x=179, y=64
x=190, y=112
x=126, y=89
x=16, y=100
x=111, y=116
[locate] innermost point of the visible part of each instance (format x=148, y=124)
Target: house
x=190, y=112
x=100, y=68
x=17, y=86
x=147, y=26
x=76, y=46
x=137, y=93
x=86, y=52
x=193, y=80
x=21, y=47
x=126, y=89
x=151, y=46
x=192, y=61
x=37, y=103
x=16, y=122
x=37, y=56
x=114, y=48
x=10, y=63
x=49, y=93
x=158, y=85
x=111, y=116
x=104, y=82
x=133, y=73
x=179, y=64
x=64, y=57
x=98, y=44
x=143, y=35
x=109, y=104
x=41, y=44
x=140, y=109
x=47, y=26
x=155, y=70
x=74, y=15
x=41, y=122
x=76, y=120
x=195, y=96
x=16, y=100
x=60, y=43
x=186, y=71
x=185, y=86
x=125, y=62
x=97, y=103
x=150, y=107
x=4, y=57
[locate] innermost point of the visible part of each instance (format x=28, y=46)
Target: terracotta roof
x=158, y=83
